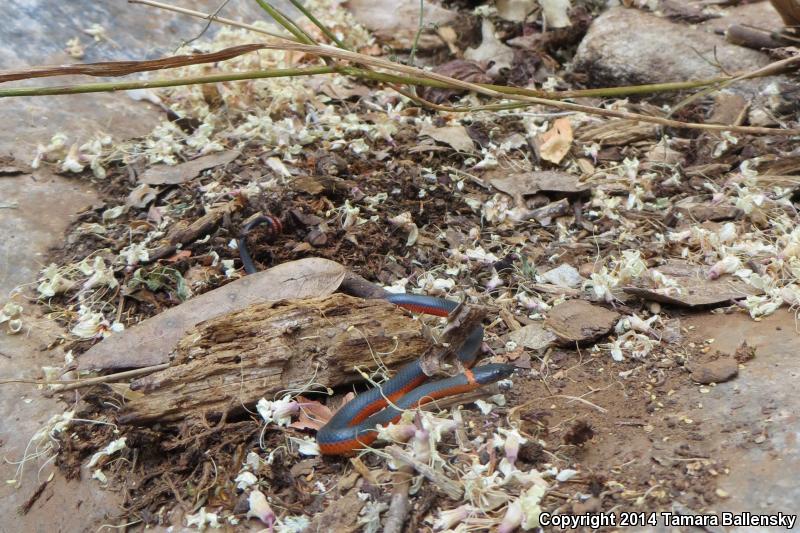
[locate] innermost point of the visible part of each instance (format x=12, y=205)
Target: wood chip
x=554, y=144
x=529, y=183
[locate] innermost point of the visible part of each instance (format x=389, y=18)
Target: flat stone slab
x=578, y=321
x=695, y=289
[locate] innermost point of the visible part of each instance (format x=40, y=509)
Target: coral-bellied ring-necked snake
x=353, y=426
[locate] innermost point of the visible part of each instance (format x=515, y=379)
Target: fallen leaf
x=491, y=51
x=151, y=341
x=554, y=144
x=343, y=91
x=183, y=254
x=183, y=172
x=313, y=415
x=141, y=196
x=460, y=69
x=455, y=136
x=534, y=336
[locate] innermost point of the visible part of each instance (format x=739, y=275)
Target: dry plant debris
x=596, y=221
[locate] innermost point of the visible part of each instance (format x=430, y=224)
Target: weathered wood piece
x=151, y=341
x=235, y=359
x=183, y=233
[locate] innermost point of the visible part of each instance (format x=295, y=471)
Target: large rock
x=629, y=47
x=40, y=207
x=35, y=32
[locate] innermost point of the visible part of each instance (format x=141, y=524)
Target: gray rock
x=35, y=33
x=629, y=46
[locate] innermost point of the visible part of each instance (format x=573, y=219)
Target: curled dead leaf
x=554, y=144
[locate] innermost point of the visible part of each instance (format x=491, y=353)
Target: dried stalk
x=65, y=385
x=329, y=51
x=123, y=68
x=155, y=84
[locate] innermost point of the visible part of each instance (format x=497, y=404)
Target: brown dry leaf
x=460, y=69
x=344, y=401
x=313, y=415
x=141, y=196
x=183, y=254
x=342, y=91
x=172, y=175
x=554, y=144
x=455, y=136
x=151, y=341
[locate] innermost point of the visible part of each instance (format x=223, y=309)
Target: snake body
x=354, y=426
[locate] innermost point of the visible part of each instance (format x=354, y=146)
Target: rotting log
x=232, y=360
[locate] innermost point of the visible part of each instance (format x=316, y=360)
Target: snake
x=354, y=426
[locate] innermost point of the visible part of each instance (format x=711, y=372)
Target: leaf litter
x=588, y=232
